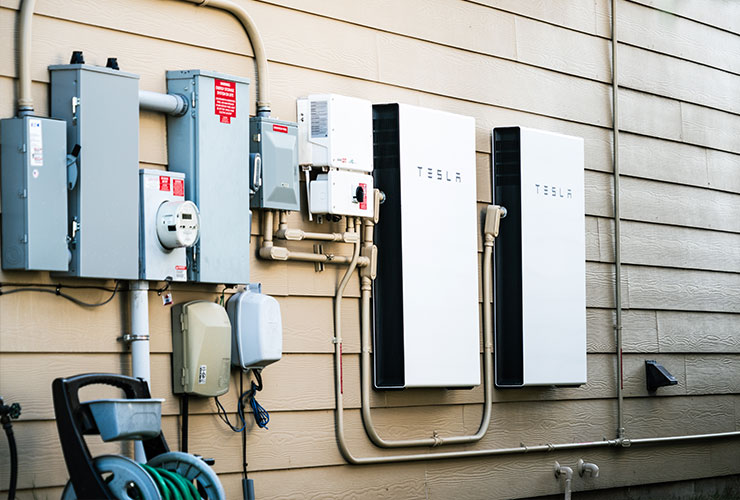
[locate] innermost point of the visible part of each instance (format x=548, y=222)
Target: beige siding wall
x=542, y=64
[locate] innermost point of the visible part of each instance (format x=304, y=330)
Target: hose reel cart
x=116, y=476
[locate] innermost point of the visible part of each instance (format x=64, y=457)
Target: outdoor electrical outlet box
x=101, y=108
x=257, y=330
x=158, y=262
x=34, y=194
x=201, y=348
x=210, y=145
x=342, y=193
x=277, y=144
x=540, y=259
x=335, y=131
x=425, y=299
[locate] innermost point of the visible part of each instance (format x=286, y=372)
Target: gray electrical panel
x=34, y=193
x=101, y=108
x=210, y=145
x=277, y=143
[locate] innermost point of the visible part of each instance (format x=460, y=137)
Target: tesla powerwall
x=540, y=259
x=425, y=297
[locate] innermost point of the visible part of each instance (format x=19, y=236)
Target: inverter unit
x=540, y=256
x=425, y=298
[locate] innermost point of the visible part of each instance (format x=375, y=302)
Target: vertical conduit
x=140, y=367
x=617, y=230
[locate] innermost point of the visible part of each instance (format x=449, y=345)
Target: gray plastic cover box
x=101, y=108
x=210, y=145
x=34, y=194
x=277, y=143
x=257, y=329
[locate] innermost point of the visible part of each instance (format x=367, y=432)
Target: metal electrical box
x=210, y=145
x=34, y=194
x=343, y=193
x=425, y=299
x=277, y=144
x=101, y=108
x=157, y=262
x=201, y=348
x=540, y=259
x=257, y=329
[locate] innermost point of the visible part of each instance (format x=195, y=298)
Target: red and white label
x=225, y=99
x=280, y=128
x=363, y=203
x=164, y=183
x=178, y=187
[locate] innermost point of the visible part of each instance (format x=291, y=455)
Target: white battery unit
x=540, y=259
x=342, y=193
x=425, y=299
x=257, y=329
x=161, y=189
x=335, y=131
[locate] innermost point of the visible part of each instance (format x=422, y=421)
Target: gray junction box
x=210, y=145
x=34, y=193
x=277, y=143
x=101, y=108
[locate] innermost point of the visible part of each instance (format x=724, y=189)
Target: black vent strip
x=509, y=349
x=388, y=345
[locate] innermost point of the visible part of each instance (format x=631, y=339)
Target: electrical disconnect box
x=168, y=224
x=424, y=335
x=34, y=194
x=335, y=135
x=210, y=146
x=101, y=108
x=201, y=348
x=539, y=271
x=276, y=184
x=257, y=329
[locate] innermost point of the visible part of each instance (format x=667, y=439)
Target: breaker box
x=201, y=348
x=540, y=259
x=33, y=154
x=335, y=131
x=278, y=183
x=101, y=108
x=425, y=299
x=210, y=145
x=162, y=256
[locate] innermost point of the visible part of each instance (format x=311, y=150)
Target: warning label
x=35, y=137
x=178, y=187
x=164, y=183
x=225, y=93
x=280, y=128
x=363, y=203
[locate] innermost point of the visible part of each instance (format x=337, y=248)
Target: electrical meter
x=178, y=224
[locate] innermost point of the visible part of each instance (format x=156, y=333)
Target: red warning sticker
x=164, y=183
x=363, y=203
x=280, y=128
x=225, y=93
x=178, y=187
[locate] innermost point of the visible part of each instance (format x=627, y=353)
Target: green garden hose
x=172, y=486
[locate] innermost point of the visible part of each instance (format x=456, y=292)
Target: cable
x=261, y=416
x=58, y=291
x=8, y=413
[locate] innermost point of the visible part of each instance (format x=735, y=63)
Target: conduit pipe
x=617, y=230
x=258, y=47
x=269, y=251
x=25, y=101
x=366, y=387
x=139, y=340
x=350, y=458
x=171, y=104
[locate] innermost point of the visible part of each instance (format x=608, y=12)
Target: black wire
x=59, y=285
x=261, y=416
x=13, y=460
x=244, y=434
x=58, y=292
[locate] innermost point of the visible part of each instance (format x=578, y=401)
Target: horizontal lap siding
x=504, y=62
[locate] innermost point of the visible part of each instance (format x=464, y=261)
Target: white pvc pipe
x=172, y=104
x=140, y=366
x=25, y=101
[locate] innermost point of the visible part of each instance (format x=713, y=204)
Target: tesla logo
x=554, y=191
x=437, y=174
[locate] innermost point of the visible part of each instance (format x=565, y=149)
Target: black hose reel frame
x=75, y=421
